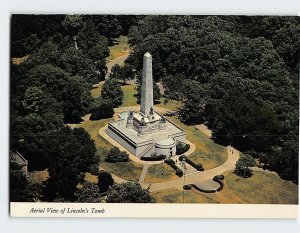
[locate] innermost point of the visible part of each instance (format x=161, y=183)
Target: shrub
x=105, y=180
x=115, y=155
x=182, y=148
x=94, y=169
x=218, y=177
x=242, y=166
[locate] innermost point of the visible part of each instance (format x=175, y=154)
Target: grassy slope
x=263, y=188
x=154, y=173
x=208, y=153
x=121, y=48
x=128, y=170
x=176, y=196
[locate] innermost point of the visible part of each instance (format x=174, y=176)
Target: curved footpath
x=197, y=177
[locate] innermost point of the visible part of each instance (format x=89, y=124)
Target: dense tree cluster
x=63, y=57
x=237, y=74
x=129, y=192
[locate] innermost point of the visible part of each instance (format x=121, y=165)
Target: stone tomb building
x=146, y=133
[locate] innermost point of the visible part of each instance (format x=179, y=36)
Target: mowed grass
x=96, y=92
x=173, y=195
x=126, y=170
x=207, y=153
x=171, y=104
x=128, y=95
x=92, y=127
x=120, y=48
x=262, y=188
x=154, y=173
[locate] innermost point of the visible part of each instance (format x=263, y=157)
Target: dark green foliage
x=129, y=192
x=237, y=74
x=88, y=193
x=171, y=163
x=187, y=187
x=29, y=135
x=115, y=155
x=101, y=109
x=22, y=189
x=122, y=73
x=179, y=172
x=154, y=157
x=76, y=63
x=94, y=169
x=181, y=148
x=111, y=91
x=72, y=152
x=198, y=167
x=105, y=180
x=242, y=166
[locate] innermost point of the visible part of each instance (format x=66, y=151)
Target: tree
x=105, y=180
x=129, y=192
x=72, y=24
x=88, y=193
x=101, y=109
x=242, y=166
x=115, y=155
x=111, y=91
x=22, y=189
x=71, y=154
x=122, y=73
x=77, y=64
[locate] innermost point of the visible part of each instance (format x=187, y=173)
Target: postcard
x=172, y=116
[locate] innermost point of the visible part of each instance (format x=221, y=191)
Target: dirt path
x=118, y=60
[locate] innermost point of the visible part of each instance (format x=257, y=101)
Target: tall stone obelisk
x=147, y=85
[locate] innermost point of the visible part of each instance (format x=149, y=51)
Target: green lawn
x=92, y=127
x=208, y=153
x=154, y=174
x=120, y=48
x=262, y=188
x=173, y=195
x=96, y=92
x=171, y=104
x=128, y=95
x=126, y=170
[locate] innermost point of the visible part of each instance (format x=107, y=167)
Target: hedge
x=187, y=186
x=198, y=167
x=171, y=163
x=153, y=158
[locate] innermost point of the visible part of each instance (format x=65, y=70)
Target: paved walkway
x=144, y=173
x=197, y=177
